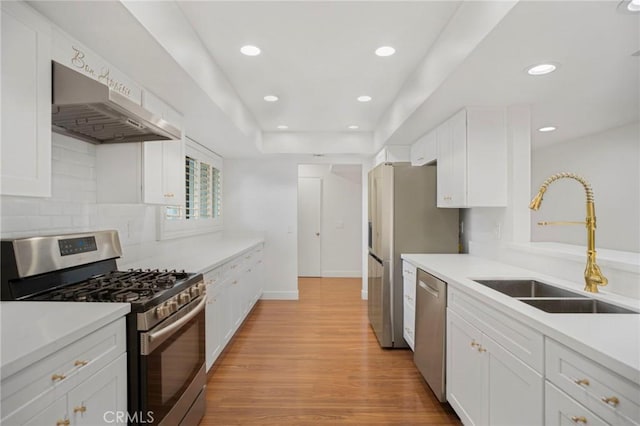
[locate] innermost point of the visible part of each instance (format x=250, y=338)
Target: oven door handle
x=150, y=341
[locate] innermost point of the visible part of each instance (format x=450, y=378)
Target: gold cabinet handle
x=611, y=400
x=58, y=377
x=481, y=349
x=581, y=382
x=474, y=344
x=579, y=419
x=169, y=195
x=80, y=409
x=80, y=363
x=65, y=422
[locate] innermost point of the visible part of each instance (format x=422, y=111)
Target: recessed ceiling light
x=354, y=127
x=364, y=98
x=250, y=50
x=541, y=69
x=271, y=98
x=546, y=129
x=283, y=127
x=385, y=51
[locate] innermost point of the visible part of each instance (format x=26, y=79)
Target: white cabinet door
x=452, y=161
x=104, y=392
x=515, y=390
x=164, y=172
x=25, y=142
x=466, y=371
x=227, y=310
x=214, y=324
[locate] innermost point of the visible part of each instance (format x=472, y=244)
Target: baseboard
x=279, y=295
x=341, y=274
x=364, y=295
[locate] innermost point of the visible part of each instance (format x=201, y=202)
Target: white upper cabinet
x=25, y=145
x=472, y=159
x=392, y=154
x=143, y=172
x=425, y=149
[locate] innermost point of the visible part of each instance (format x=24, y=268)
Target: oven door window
x=171, y=367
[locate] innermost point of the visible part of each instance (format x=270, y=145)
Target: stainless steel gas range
x=165, y=329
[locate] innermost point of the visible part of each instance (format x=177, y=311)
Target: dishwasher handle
x=432, y=291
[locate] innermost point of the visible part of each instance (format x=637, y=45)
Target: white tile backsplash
x=72, y=206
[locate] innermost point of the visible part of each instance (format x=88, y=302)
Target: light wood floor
x=316, y=361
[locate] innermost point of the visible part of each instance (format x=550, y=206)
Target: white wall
x=610, y=161
x=341, y=235
x=261, y=196
x=72, y=206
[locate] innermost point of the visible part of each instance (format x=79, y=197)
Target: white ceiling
x=318, y=57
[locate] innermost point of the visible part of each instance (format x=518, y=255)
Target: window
x=202, y=209
x=203, y=192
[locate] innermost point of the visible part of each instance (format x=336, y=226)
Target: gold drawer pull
x=582, y=382
x=481, y=349
x=58, y=377
x=611, y=400
x=169, y=195
x=80, y=363
x=80, y=409
x=474, y=344
x=579, y=419
x=65, y=422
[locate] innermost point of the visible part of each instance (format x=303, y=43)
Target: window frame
x=183, y=227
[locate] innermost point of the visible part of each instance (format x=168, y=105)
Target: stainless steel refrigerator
x=403, y=218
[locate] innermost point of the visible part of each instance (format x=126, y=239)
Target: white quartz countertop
x=194, y=254
x=613, y=340
x=30, y=331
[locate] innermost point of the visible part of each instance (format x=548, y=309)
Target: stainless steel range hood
x=86, y=109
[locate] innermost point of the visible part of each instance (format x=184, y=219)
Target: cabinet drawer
x=42, y=382
x=591, y=383
x=408, y=271
x=409, y=325
x=410, y=293
x=525, y=343
x=562, y=410
x=214, y=277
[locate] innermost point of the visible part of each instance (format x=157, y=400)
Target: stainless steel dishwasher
x=429, y=353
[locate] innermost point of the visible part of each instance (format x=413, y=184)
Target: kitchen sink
x=527, y=288
x=576, y=306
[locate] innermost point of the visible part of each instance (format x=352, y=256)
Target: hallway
x=316, y=361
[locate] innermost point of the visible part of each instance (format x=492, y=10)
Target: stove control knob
x=184, y=297
x=195, y=291
x=173, y=305
x=162, y=311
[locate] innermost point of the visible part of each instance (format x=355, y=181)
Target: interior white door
x=309, y=219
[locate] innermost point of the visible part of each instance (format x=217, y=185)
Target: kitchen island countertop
x=612, y=340
x=30, y=331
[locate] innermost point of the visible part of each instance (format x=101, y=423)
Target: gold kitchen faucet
x=592, y=275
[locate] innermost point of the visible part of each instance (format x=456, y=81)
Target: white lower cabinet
x=486, y=383
x=78, y=385
x=232, y=290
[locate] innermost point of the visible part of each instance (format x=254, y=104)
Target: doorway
x=330, y=220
